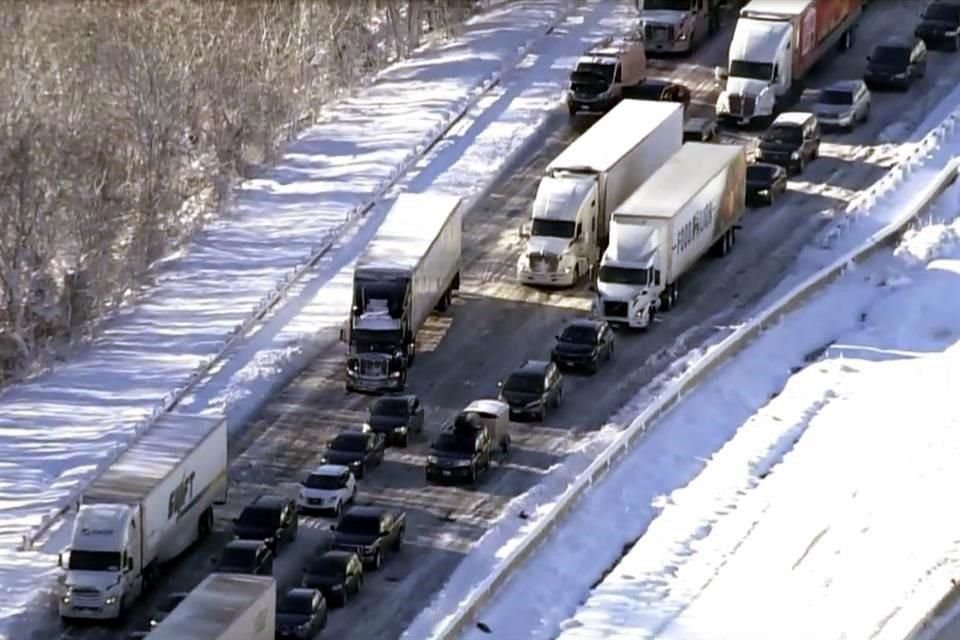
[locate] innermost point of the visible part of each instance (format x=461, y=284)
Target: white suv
x=329, y=487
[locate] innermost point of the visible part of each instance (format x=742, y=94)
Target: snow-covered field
x=749, y=531
x=502, y=124
x=56, y=427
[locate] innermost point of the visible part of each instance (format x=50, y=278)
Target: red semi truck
x=775, y=44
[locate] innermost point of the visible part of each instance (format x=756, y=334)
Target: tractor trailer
x=225, y=606
x=587, y=181
x=774, y=46
x=410, y=268
x=144, y=510
x=688, y=207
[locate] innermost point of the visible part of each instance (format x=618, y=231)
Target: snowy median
x=64, y=424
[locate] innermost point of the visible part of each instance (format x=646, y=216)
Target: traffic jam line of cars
x=591, y=219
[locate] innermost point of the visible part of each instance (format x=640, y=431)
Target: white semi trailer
x=587, y=181
x=144, y=510
x=225, y=606
x=410, y=268
x=688, y=207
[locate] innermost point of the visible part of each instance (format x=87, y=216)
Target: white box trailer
x=589, y=179
x=410, y=268
x=688, y=207
x=225, y=606
x=151, y=504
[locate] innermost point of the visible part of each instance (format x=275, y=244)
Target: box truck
x=410, y=268
x=678, y=26
x=148, y=506
x=587, y=181
x=225, y=606
x=775, y=44
x=691, y=205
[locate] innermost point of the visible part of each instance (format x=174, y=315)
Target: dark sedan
x=396, y=417
x=356, y=450
x=337, y=574
x=765, y=183
x=584, y=344
x=301, y=614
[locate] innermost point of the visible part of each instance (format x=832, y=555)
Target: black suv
x=792, y=141
x=896, y=63
x=252, y=557
x=370, y=532
x=356, y=450
x=584, y=344
x=396, y=417
x=272, y=519
x=940, y=26
x=461, y=451
x=532, y=389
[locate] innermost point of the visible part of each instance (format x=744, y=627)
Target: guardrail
x=455, y=624
x=281, y=288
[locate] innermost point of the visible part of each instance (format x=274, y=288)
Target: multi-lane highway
x=496, y=324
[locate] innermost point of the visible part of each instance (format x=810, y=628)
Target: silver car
x=843, y=104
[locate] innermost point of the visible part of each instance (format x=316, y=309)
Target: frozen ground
x=56, y=427
x=801, y=506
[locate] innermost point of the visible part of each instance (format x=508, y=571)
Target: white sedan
x=843, y=104
x=329, y=487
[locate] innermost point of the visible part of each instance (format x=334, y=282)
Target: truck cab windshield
x=553, y=228
x=666, y=5
x=624, y=275
x=594, y=74
x=94, y=560
x=376, y=341
x=942, y=11
x=751, y=70
x=392, y=294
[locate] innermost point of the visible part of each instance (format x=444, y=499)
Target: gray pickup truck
x=370, y=532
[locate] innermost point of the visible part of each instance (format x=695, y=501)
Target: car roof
x=366, y=511
x=301, y=592
x=246, y=544
x=277, y=502
x=533, y=366
x=332, y=470
x=585, y=322
x=793, y=117
x=350, y=433
x=844, y=85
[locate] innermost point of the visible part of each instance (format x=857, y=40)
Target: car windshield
x=259, y=517
x=553, y=228
x=455, y=443
x=623, y=275
x=326, y=566
x=325, y=482
x=359, y=525
x=940, y=11
x=786, y=133
x=593, y=73
x=893, y=56
x=525, y=383
x=666, y=5
x=579, y=334
x=94, y=560
x=296, y=604
x=836, y=96
x=393, y=407
x=760, y=173
x=354, y=442
x=237, y=557
x=751, y=70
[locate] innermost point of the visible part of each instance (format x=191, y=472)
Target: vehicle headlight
x=110, y=600
x=462, y=463
x=395, y=374
x=795, y=155
x=65, y=599
x=400, y=429
x=303, y=627
x=432, y=460
x=723, y=101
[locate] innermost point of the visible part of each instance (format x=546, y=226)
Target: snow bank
x=836, y=534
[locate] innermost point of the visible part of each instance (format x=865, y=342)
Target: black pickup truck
x=370, y=532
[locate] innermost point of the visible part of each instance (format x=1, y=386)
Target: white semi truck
x=775, y=44
x=410, y=268
x=587, y=181
x=225, y=606
x=144, y=510
x=677, y=26
x=688, y=207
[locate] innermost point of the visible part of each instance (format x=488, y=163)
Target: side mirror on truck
x=524, y=231
x=720, y=74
